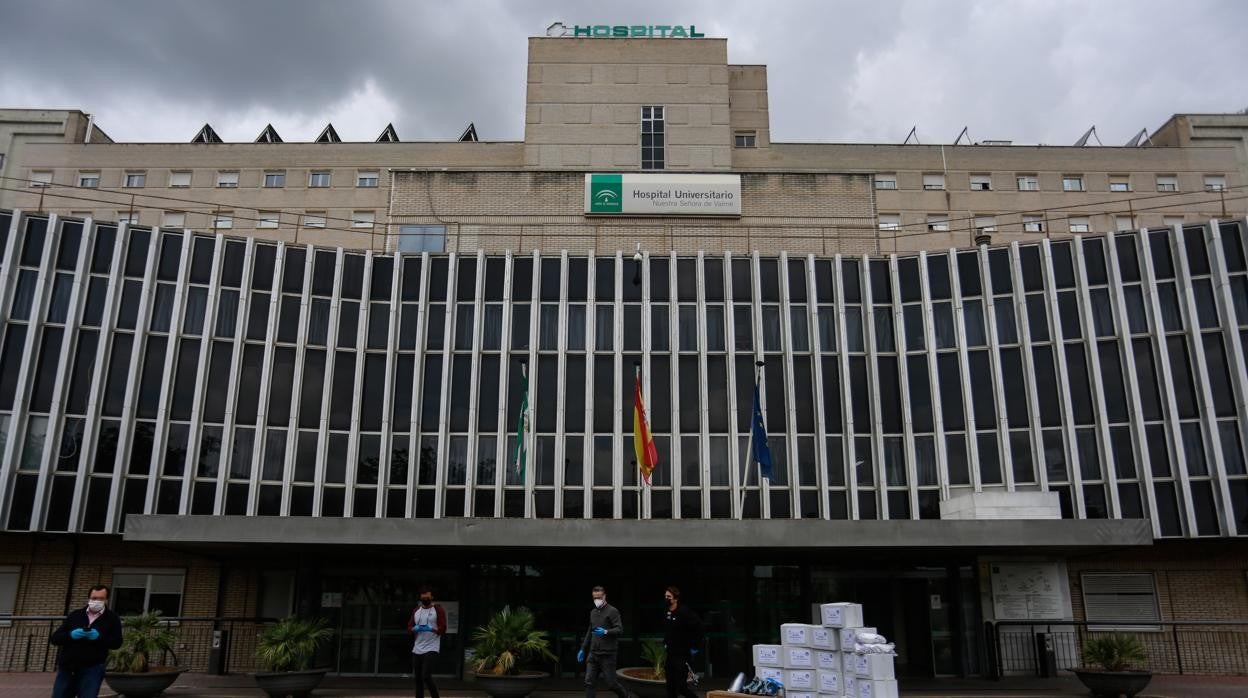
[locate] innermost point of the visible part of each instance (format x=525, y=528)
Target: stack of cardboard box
x=819, y=661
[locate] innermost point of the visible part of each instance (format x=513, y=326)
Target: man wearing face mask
x=682, y=636
x=427, y=624
x=85, y=638
x=601, y=644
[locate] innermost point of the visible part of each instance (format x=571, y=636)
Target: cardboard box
x=792, y=657
x=829, y=682
x=767, y=655
x=877, y=689
x=849, y=636
x=828, y=661
x=841, y=615
x=847, y=663
x=829, y=695
x=799, y=694
x=770, y=672
x=850, y=682
x=796, y=634
x=798, y=680
x=825, y=638
x=874, y=666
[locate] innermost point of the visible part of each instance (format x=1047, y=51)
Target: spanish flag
x=643, y=442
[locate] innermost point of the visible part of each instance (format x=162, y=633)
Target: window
x=985, y=224
x=362, y=219
x=8, y=590
x=1119, y=183
x=1215, y=183
x=422, y=238
x=886, y=181
x=933, y=182
x=981, y=182
x=1124, y=223
x=227, y=180
x=223, y=220
x=277, y=593
x=274, y=180
x=1027, y=182
x=1033, y=224
x=138, y=591
x=41, y=178
x=314, y=219
x=179, y=180
x=89, y=180
x=1167, y=183
x=1072, y=183
x=938, y=224
x=135, y=180
x=745, y=139
x=131, y=217
x=1126, y=597
x=368, y=178
x=652, y=138
x=319, y=179
x=173, y=219
x=890, y=221
x=1078, y=224
x=267, y=219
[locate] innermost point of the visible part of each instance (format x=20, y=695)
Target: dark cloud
x=1031, y=71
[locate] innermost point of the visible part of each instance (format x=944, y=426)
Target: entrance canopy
x=707, y=534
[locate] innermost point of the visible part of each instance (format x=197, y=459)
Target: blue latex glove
x=600, y=630
x=580, y=656
x=77, y=633
x=92, y=634
x=424, y=628
x=693, y=652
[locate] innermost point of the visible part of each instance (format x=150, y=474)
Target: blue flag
x=761, y=454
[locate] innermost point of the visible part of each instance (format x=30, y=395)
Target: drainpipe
x=390, y=209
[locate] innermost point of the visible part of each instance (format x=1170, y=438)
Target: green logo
x=606, y=193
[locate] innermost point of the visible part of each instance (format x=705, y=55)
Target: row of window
x=225, y=179
x=1031, y=182
x=225, y=220
x=939, y=223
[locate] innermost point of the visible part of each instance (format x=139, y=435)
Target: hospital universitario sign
x=623, y=31
x=663, y=194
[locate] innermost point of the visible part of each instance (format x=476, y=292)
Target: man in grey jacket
x=601, y=643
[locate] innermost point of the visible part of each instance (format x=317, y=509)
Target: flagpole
x=758, y=385
x=749, y=453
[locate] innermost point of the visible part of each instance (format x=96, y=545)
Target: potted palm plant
x=1114, y=654
x=502, y=647
x=285, y=653
x=136, y=669
x=647, y=681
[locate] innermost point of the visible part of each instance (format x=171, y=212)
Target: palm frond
x=507, y=641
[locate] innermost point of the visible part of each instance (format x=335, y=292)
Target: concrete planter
x=1111, y=684
x=510, y=686
x=640, y=681
x=142, y=685
x=298, y=684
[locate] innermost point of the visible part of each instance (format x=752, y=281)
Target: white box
x=829, y=682
x=849, y=637
x=847, y=663
x=825, y=638
x=798, y=680
x=801, y=694
x=767, y=655
x=877, y=689
x=828, y=661
x=850, y=683
x=796, y=634
x=841, y=615
x=796, y=657
x=830, y=695
x=878, y=667
x=770, y=672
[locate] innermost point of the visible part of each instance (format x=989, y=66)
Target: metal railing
x=1172, y=647
x=24, y=643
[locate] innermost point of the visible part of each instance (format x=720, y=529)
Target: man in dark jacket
x=85, y=638
x=682, y=636
x=601, y=644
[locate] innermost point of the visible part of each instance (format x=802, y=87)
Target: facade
x=20, y=128
x=274, y=401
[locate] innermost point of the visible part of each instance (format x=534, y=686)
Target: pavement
x=39, y=685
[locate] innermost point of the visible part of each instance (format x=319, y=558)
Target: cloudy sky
x=1035, y=71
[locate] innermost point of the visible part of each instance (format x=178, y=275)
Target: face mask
x=95, y=606
x=426, y=602
x=600, y=603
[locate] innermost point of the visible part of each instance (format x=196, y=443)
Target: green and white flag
x=522, y=424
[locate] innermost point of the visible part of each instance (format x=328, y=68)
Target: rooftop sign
x=625, y=31
x=662, y=194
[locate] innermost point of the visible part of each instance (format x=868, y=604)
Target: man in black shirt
x=601, y=644
x=682, y=636
x=85, y=638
